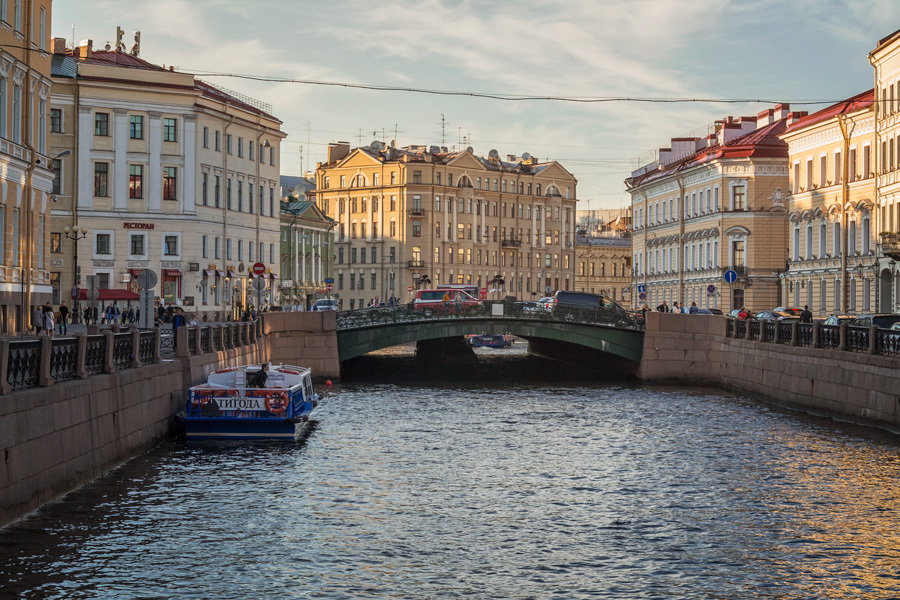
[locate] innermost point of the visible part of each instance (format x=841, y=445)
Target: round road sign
x=730, y=276
x=711, y=289
x=642, y=296
x=258, y=268
x=329, y=287
x=147, y=279
x=409, y=288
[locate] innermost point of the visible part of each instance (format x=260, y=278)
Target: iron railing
x=64, y=359
x=23, y=364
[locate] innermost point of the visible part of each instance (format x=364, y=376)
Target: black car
x=884, y=321
x=772, y=315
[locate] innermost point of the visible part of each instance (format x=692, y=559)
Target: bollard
x=873, y=339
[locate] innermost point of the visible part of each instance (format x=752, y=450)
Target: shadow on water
x=488, y=366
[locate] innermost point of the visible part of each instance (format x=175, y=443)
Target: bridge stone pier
x=696, y=349
x=307, y=339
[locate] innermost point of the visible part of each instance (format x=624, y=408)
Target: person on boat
x=259, y=378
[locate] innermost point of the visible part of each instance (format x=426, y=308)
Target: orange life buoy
x=276, y=402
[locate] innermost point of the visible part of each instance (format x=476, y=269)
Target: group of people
x=45, y=319
x=110, y=314
x=675, y=308
x=375, y=303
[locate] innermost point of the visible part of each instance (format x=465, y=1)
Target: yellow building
x=831, y=257
x=885, y=58
x=24, y=162
x=421, y=216
x=603, y=266
x=164, y=172
x=710, y=205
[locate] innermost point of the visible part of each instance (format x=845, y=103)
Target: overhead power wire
x=508, y=97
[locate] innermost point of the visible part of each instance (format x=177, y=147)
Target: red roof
x=121, y=59
x=857, y=102
x=111, y=294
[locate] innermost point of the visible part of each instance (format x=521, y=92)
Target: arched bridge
x=613, y=331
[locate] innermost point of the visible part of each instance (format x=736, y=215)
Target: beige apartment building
x=420, y=216
x=163, y=172
x=885, y=59
x=832, y=262
x=603, y=266
x=709, y=205
x=25, y=176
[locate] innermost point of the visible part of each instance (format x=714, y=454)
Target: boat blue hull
x=244, y=428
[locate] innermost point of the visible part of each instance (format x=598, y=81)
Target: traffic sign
x=259, y=283
x=642, y=296
x=258, y=268
x=328, y=287
x=329, y=280
x=710, y=289
x=642, y=288
x=730, y=276
x=409, y=288
x=147, y=279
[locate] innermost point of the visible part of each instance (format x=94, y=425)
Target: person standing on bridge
x=806, y=315
x=664, y=307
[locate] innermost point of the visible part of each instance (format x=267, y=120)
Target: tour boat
x=225, y=408
x=490, y=341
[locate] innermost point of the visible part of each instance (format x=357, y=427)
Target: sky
x=809, y=53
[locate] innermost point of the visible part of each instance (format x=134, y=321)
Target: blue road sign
x=710, y=289
x=642, y=296
x=642, y=288
x=329, y=280
x=730, y=275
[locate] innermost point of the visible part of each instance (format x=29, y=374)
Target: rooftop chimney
x=85, y=49
x=337, y=151
x=59, y=46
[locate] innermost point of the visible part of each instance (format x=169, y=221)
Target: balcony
x=416, y=264
x=416, y=211
x=510, y=243
x=890, y=245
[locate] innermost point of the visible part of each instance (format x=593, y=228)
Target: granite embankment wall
x=59, y=436
x=696, y=349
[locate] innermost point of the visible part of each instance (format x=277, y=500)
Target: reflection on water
x=524, y=485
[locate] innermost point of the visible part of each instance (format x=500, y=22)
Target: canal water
x=513, y=478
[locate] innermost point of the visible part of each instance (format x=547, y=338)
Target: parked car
x=838, y=319
x=884, y=321
x=325, y=304
x=734, y=313
x=716, y=311
x=532, y=307
x=771, y=315
x=704, y=311
x=431, y=302
x=793, y=311
x=547, y=302
x=566, y=304
x=895, y=327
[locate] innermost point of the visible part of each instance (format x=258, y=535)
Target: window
x=17, y=15
x=417, y=176
x=101, y=123
x=216, y=249
x=228, y=143
x=17, y=114
x=738, y=197
x=271, y=156
x=102, y=243
x=55, y=243
x=228, y=249
x=55, y=120
x=240, y=147
x=43, y=31
x=56, y=166
x=206, y=137
x=205, y=247
x=136, y=245
x=136, y=127
x=170, y=130
x=205, y=187
x=416, y=229
x=240, y=250
x=170, y=245
x=136, y=181
x=101, y=180
x=217, y=189
x=250, y=144
x=218, y=141
x=823, y=170
x=170, y=183
x=853, y=175
x=838, y=168
x=240, y=204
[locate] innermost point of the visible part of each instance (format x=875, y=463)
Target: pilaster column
x=189, y=148
x=120, y=168
x=84, y=200
x=154, y=175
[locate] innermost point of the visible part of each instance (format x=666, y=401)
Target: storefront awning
x=272, y=276
x=209, y=273
x=232, y=274
x=171, y=273
x=220, y=273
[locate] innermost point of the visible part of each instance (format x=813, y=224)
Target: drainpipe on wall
x=26, y=253
x=845, y=196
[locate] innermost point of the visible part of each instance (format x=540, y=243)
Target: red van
x=432, y=302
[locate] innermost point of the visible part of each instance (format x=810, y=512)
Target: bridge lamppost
x=423, y=280
x=498, y=283
x=75, y=234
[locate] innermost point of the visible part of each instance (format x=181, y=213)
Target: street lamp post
x=75, y=234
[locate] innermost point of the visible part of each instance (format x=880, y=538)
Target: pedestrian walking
x=49, y=325
x=806, y=315
x=63, y=322
x=37, y=320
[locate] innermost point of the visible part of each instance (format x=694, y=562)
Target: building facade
x=885, y=59
x=165, y=172
x=25, y=176
x=710, y=205
x=831, y=207
x=307, y=248
x=603, y=266
x=416, y=217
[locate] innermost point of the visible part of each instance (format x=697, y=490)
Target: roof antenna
x=136, y=47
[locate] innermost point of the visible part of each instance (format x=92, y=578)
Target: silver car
x=325, y=304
